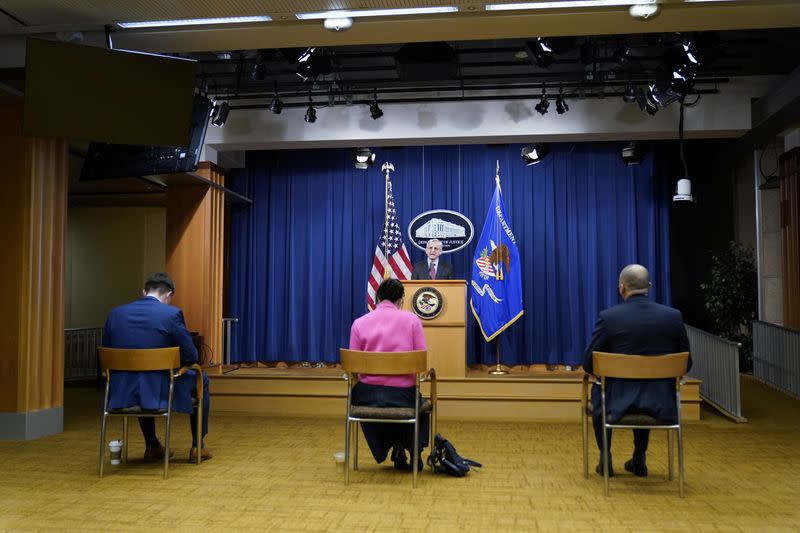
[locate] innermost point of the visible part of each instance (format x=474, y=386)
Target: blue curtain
x=301, y=253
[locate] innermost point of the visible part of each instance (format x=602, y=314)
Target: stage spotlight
x=561, y=104
x=219, y=113
x=630, y=94
x=543, y=104
x=363, y=158
x=313, y=62
x=541, y=51
x=645, y=101
x=374, y=110
x=311, y=113
x=622, y=54
x=259, y=71
x=630, y=154
x=276, y=106
x=534, y=153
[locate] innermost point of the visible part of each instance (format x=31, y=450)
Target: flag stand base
x=498, y=371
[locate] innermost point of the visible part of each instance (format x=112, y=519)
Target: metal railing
x=226, y=338
x=80, y=352
x=715, y=361
x=776, y=356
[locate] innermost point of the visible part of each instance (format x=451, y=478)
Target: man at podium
x=432, y=267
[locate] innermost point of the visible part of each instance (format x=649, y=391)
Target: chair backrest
x=140, y=360
x=616, y=365
x=386, y=363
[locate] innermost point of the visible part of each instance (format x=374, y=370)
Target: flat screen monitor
x=87, y=93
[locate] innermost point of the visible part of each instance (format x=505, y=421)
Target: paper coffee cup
x=115, y=451
x=339, y=458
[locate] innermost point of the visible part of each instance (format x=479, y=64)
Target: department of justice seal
x=427, y=302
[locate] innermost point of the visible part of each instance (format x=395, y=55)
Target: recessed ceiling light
x=566, y=4
x=193, y=22
x=643, y=11
x=376, y=12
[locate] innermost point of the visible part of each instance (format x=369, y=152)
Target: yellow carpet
x=278, y=474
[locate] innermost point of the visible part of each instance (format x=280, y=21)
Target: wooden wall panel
x=790, y=236
x=34, y=218
x=195, y=248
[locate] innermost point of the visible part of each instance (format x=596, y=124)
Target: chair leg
x=432, y=438
x=124, y=440
x=346, y=451
x=604, y=460
x=102, y=444
x=680, y=462
x=168, y=426
x=415, y=455
x=585, y=435
x=199, y=458
x=669, y=453
x=355, y=445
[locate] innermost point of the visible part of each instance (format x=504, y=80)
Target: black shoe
x=599, y=469
x=399, y=459
x=636, y=467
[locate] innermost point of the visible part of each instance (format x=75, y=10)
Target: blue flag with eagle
x=496, y=286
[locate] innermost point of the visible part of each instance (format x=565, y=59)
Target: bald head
x=634, y=279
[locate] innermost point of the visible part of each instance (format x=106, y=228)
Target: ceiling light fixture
x=566, y=4
x=630, y=94
x=644, y=10
x=543, y=104
x=354, y=13
x=363, y=158
x=631, y=155
x=534, y=153
x=338, y=23
x=542, y=52
x=311, y=113
x=561, y=105
x=374, y=111
x=193, y=22
x=276, y=106
x=219, y=113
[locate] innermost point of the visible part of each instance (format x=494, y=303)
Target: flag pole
x=387, y=167
x=498, y=369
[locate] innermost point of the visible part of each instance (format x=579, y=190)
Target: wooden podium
x=445, y=334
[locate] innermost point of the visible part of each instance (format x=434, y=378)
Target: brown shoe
x=205, y=455
x=156, y=454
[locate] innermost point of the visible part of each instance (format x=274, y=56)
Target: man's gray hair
x=635, y=278
x=432, y=241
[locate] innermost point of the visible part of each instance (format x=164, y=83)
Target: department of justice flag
x=496, y=286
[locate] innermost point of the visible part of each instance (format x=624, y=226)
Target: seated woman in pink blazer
x=388, y=329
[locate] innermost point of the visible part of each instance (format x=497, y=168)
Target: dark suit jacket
x=638, y=326
x=147, y=323
x=444, y=270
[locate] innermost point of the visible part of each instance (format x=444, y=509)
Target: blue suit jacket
x=638, y=326
x=147, y=323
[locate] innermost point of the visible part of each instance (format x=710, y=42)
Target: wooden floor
x=278, y=474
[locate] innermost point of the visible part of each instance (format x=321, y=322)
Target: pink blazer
x=387, y=329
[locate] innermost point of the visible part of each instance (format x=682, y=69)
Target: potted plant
x=730, y=298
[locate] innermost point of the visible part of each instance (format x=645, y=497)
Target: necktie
x=432, y=271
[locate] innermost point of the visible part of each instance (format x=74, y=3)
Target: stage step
x=541, y=396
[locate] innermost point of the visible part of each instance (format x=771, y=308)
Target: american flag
x=398, y=263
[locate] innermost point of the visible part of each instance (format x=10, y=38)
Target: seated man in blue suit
x=151, y=322
x=638, y=326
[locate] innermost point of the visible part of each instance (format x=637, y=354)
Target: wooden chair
x=612, y=365
x=145, y=360
x=387, y=363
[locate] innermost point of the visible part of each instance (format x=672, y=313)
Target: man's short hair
x=159, y=282
x=390, y=289
x=635, y=278
x=433, y=241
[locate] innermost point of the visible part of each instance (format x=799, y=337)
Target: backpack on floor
x=444, y=458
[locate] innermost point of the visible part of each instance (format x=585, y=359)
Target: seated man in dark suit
x=151, y=322
x=638, y=326
x=432, y=267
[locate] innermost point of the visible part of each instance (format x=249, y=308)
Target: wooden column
x=790, y=236
x=195, y=250
x=33, y=207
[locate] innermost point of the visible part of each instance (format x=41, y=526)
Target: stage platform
x=531, y=395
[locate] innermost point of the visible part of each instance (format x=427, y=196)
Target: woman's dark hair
x=390, y=289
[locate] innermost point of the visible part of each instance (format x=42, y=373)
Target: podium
x=445, y=334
